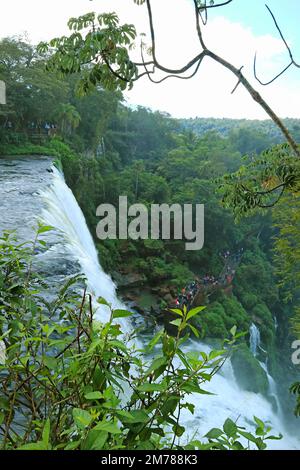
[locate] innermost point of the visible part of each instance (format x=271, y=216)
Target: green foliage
x=295, y=390
x=98, y=48
x=287, y=253
x=261, y=183
x=26, y=149
x=221, y=316
x=248, y=136
x=32, y=94
x=233, y=435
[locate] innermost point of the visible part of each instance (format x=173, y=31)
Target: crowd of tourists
x=46, y=127
x=189, y=292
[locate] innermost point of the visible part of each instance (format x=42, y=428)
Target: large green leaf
x=152, y=387
x=108, y=426
x=82, y=418
x=230, y=428
x=95, y=440
x=194, y=312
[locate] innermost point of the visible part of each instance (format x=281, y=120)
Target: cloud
x=209, y=93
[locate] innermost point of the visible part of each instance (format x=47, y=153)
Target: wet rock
x=131, y=280
x=257, y=320
x=168, y=298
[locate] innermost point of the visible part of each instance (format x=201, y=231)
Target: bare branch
x=147, y=72
x=141, y=64
x=156, y=63
x=292, y=62
x=258, y=98
x=269, y=191
x=268, y=206
x=282, y=37
x=187, y=77
x=198, y=27
x=273, y=79
x=237, y=82
x=218, y=5
x=200, y=11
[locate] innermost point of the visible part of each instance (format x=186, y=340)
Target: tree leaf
x=95, y=440
x=82, y=418
x=230, y=428
x=152, y=387
x=121, y=314
x=34, y=446
x=194, y=312
x=214, y=433
x=108, y=426
x=46, y=433
x=93, y=396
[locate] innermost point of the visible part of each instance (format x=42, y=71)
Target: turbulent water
x=63, y=213
x=32, y=188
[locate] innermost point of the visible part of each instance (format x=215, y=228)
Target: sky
x=235, y=32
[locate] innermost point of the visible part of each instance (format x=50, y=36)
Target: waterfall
x=254, y=339
x=272, y=388
x=63, y=212
x=254, y=345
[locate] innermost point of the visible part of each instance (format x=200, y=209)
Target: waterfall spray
x=63, y=212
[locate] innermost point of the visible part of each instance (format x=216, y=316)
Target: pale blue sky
x=254, y=14
x=234, y=31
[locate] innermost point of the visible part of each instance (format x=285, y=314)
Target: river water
x=31, y=188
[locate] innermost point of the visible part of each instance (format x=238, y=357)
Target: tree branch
x=258, y=98
x=237, y=72
x=198, y=27
x=282, y=37
x=273, y=79
x=217, y=5
x=292, y=62
x=155, y=61
x=268, y=206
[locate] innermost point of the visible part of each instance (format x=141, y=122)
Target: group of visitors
x=225, y=254
x=48, y=128
x=188, y=293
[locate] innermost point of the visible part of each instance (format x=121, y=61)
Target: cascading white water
x=255, y=343
x=63, y=213
x=254, y=339
x=211, y=411
x=272, y=388
x=229, y=401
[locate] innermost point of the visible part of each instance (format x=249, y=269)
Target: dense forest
x=108, y=149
